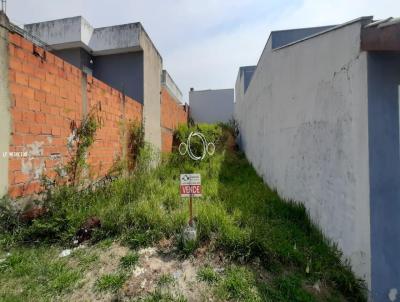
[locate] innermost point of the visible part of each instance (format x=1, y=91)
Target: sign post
x=190, y=187
x=190, y=211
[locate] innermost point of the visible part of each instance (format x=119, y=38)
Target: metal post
x=190, y=204
x=191, y=210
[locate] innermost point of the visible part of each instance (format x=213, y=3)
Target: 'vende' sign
x=190, y=185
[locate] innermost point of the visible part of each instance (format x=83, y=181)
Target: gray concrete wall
x=108, y=40
x=304, y=127
x=168, y=82
x=77, y=32
x=211, y=106
x=122, y=71
x=243, y=80
x=284, y=37
x=247, y=75
x=5, y=119
x=383, y=102
x=152, y=68
x=66, y=31
x=78, y=57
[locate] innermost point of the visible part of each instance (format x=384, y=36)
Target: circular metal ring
x=204, y=141
x=185, y=148
x=210, y=149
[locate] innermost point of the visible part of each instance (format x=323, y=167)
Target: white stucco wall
x=304, y=127
x=211, y=106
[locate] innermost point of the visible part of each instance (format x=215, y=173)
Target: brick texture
x=46, y=98
x=172, y=115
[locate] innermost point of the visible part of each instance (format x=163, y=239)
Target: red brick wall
x=46, y=96
x=115, y=109
x=172, y=115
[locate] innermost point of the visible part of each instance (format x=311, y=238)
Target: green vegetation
x=36, y=275
x=129, y=260
x=244, y=218
x=159, y=296
x=135, y=143
x=238, y=285
x=165, y=280
x=82, y=139
x=110, y=282
x=207, y=274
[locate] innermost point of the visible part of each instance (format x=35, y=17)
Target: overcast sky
x=204, y=42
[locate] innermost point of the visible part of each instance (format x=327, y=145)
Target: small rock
x=138, y=271
x=177, y=274
x=317, y=287
x=190, y=233
x=79, y=247
x=147, y=251
x=65, y=253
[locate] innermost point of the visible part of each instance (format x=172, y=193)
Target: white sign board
x=190, y=185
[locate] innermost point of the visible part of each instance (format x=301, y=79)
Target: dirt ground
x=144, y=278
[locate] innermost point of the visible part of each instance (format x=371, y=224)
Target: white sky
x=204, y=42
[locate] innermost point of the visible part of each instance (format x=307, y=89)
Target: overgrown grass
x=246, y=219
x=129, y=260
x=238, y=285
x=165, y=280
x=110, y=282
x=36, y=275
x=159, y=296
x=207, y=274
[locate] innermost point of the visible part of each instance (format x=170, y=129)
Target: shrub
x=81, y=140
x=135, y=143
x=9, y=219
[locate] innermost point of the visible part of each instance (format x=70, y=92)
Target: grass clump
x=159, y=296
x=238, y=285
x=129, y=260
x=86, y=259
x=207, y=274
x=165, y=280
x=110, y=282
x=290, y=287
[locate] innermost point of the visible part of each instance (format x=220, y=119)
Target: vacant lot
x=252, y=245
